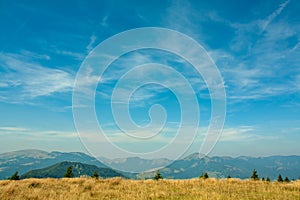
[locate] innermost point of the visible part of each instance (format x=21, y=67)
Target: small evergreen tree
x=280, y=178
x=204, y=176
x=228, y=176
x=95, y=175
x=263, y=178
x=287, y=180
x=254, y=175
x=268, y=179
x=69, y=173
x=15, y=176
x=157, y=176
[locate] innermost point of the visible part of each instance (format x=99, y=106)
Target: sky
x=254, y=46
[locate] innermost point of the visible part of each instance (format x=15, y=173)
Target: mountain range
x=188, y=167
x=26, y=160
x=78, y=169
x=136, y=164
x=240, y=167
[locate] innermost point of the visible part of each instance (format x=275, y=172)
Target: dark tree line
x=254, y=176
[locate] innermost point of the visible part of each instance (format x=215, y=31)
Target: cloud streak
x=7, y=128
x=260, y=50
x=271, y=17
x=23, y=79
x=31, y=134
x=90, y=46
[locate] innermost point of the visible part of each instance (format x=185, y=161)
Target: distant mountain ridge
x=188, y=167
x=240, y=167
x=26, y=160
x=136, y=164
x=79, y=169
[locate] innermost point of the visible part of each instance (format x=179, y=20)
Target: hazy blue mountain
x=240, y=167
x=136, y=164
x=188, y=167
x=25, y=160
x=79, y=169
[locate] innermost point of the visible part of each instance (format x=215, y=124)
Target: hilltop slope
x=26, y=160
x=58, y=170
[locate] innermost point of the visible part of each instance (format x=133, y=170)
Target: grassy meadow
x=118, y=188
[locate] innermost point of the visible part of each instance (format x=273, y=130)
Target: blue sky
x=254, y=44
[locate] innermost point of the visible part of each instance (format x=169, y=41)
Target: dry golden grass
x=117, y=188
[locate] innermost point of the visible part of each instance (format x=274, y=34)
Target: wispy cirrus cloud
x=34, y=55
x=33, y=133
x=169, y=132
x=91, y=44
x=148, y=67
x=272, y=16
x=243, y=133
x=24, y=79
x=259, y=49
x=10, y=128
x=93, y=38
x=256, y=74
x=75, y=55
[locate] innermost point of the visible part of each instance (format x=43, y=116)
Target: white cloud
x=272, y=16
x=244, y=75
x=90, y=46
x=229, y=134
x=3, y=85
x=7, y=128
x=239, y=133
x=267, y=62
x=26, y=79
x=76, y=55
x=180, y=15
x=57, y=134
x=32, y=134
x=257, y=76
x=35, y=55
x=104, y=21
x=141, y=75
